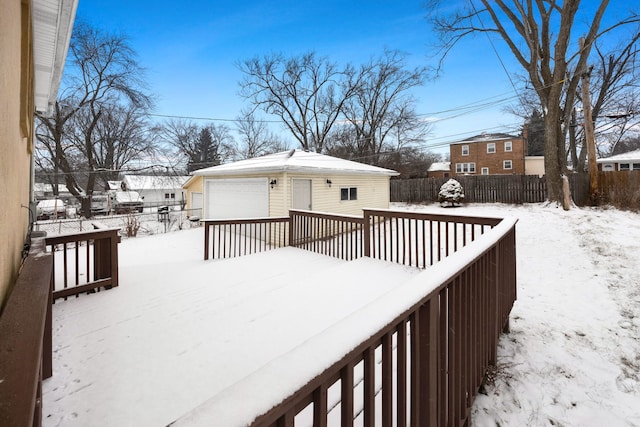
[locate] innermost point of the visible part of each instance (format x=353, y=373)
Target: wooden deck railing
x=425, y=366
x=415, y=357
x=432, y=357
x=231, y=238
x=340, y=236
x=84, y=262
x=25, y=342
x=419, y=239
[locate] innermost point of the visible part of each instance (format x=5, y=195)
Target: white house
x=157, y=190
x=621, y=162
x=273, y=184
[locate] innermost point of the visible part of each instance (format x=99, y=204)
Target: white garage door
x=236, y=198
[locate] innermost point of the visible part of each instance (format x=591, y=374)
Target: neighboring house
x=157, y=190
x=34, y=38
x=621, y=162
x=488, y=154
x=439, y=170
x=273, y=184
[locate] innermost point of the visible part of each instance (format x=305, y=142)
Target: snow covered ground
x=572, y=357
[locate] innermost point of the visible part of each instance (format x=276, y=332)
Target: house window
x=350, y=193
x=635, y=166
x=508, y=146
x=491, y=147
x=608, y=167
x=485, y=171
x=169, y=195
x=624, y=166
x=507, y=165
x=465, y=150
x=465, y=168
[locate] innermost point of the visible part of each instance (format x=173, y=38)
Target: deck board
x=179, y=331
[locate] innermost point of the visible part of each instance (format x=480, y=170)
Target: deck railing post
x=206, y=240
x=114, y=240
x=292, y=230
x=366, y=233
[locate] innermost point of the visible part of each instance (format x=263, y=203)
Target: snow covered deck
x=179, y=331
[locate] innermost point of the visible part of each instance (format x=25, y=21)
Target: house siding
x=373, y=192
x=193, y=186
x=16, y=138
x=493, y=161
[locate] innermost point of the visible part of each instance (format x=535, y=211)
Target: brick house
x=488, y=154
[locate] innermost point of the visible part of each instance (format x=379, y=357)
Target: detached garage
x=273, y=184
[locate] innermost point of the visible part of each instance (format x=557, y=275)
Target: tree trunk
x=553, y=161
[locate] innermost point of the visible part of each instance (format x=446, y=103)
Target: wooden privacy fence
x=488, y=189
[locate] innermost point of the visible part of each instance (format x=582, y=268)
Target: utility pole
x=588, y=132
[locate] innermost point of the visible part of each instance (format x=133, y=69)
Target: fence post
x=291, y=229
x=366, y=233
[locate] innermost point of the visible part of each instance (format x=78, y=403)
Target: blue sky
x=190, y=50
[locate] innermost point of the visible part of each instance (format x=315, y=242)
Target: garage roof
x=295, y=161
x=624, y=157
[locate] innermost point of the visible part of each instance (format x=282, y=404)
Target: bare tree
x=103, y=74
x=198, y=146
x=381, y=107
x=256, y=139
x=119, y=137
x=307, y=92
x=538, y=33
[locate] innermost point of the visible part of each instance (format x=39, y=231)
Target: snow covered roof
x=295, y=161
x=154, y=182
x=41, y=187
x=624, y=157
x=439, y=167
x=484, y=137
x=114, y=185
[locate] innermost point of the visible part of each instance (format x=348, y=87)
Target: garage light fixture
x=329, y=182
x=273, y=183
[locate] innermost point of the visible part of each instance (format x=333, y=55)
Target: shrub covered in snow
x=452, y=192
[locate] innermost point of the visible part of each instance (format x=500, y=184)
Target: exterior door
x=301, y=194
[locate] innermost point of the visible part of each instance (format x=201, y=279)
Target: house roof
x=154, y=182
x=52, y=25
x=295, y=161
x=41, y=187
x=624, y=157
x=439, y=167
x=487, y=137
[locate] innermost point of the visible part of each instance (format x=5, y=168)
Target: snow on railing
x=416, y=356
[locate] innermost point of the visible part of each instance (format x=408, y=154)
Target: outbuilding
x=271, y=185
x=157, y=190
x=629, y=161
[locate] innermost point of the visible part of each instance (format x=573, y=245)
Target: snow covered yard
x=572, y=357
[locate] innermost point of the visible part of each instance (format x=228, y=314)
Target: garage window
x=349, y=193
